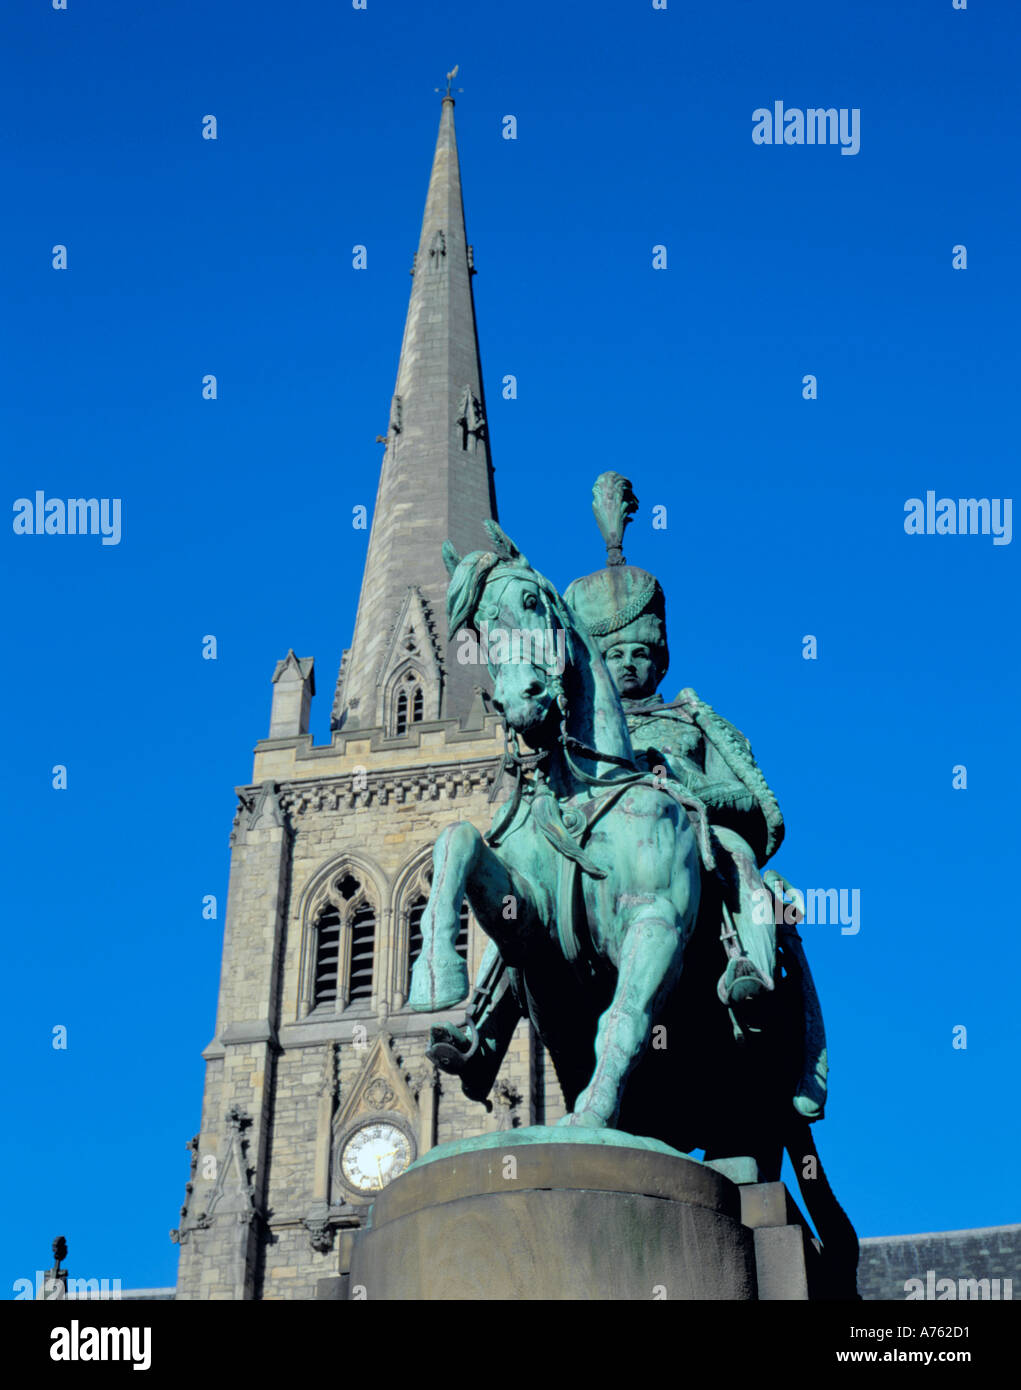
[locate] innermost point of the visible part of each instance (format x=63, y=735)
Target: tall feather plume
x=614, y=504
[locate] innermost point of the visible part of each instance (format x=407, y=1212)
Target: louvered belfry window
x=415, y=931
x=345, y=945
x=363, y=947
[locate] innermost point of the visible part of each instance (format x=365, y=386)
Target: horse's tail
x=837, y=1236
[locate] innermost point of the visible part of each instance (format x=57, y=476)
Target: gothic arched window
x=401, y=719
x=409, y=704
x=345, y=945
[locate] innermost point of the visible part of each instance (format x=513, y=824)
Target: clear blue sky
x=785, y=516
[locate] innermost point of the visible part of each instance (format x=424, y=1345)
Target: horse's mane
x=469, y=579
x=465, y=588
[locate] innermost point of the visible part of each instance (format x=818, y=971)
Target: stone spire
x=436, y=482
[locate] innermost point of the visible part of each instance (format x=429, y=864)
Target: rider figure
x=624, y=609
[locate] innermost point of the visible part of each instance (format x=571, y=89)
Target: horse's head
x=523, y=631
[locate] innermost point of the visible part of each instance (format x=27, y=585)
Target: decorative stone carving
x=379, y=1094
x=413, y=652
x=507, y=1099
x=234, y=1193
x=299, y=801
x=472, y=420
x=424, y=1075
x=338, y=694
x=330, y=1083
x=266, y=810
x=320, y=1233
x=179, y=1234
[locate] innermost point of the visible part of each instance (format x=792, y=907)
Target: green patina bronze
x=506, y=1139
x=623, y=884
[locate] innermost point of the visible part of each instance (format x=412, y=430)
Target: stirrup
x=741, y=982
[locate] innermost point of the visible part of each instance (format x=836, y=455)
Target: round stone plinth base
x=558, y=1220
x=547, y=1134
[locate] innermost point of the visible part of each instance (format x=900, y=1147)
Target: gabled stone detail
x=381, y=1088
x=294, y=684
x=234, y=1194
x=382, y=1091
x=265, y=812
x=299, y=667
x=411, y=646
x=258, y=808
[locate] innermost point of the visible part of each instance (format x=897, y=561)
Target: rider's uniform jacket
x=713, y=761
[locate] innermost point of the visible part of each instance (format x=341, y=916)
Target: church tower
x=318, y=1088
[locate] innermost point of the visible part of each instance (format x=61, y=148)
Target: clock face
x=375, y=1155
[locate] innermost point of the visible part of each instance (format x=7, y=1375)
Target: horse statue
x=596, y=934
x=592, y=886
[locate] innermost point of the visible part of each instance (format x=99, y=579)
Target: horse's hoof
x=438, y=984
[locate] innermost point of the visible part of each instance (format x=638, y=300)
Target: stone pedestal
x=557, y=1221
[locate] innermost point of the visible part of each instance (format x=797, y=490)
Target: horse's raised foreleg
x=464, y=865
x=649, y=966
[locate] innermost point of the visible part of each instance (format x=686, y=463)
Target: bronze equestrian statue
x=622, y=886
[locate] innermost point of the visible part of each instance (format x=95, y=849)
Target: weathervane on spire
x=450, y=77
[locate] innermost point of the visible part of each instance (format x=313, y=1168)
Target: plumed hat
x=620, y=603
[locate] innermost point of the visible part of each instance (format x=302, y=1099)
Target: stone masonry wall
x=280, y=1072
